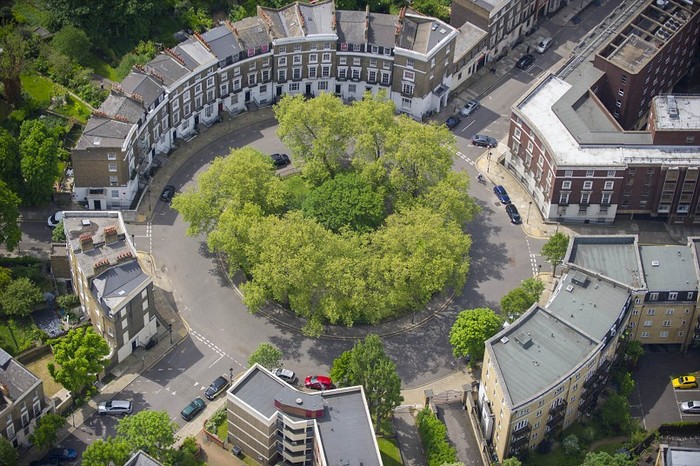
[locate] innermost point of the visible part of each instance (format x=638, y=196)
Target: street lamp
x=488, y=165
x=230, y=374
x=170, y=331
x=529, y=206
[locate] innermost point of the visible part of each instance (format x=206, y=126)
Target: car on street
x=525, y=61
x=512, y=212
x=470, y=107
x=452, y=122
x=218, y=386
x=544, y=44
x=115, y=407
x=482, y=140
x=318, y=382
x=286, y=375
x=62, y=454
x=195, y=407
x=55, y=218
x=501, y=194
x=168, y=193
x=684, y=382
x=280, y=160
x=691, y=407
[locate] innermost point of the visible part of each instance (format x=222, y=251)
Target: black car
x=62, y=454
x=280, y=160
x=195, y=407
x=217, y=386
x=525, y=61
x=502, y=194
x=512, y=212
x=482, y=140
x=452, y=122
x=168, y=193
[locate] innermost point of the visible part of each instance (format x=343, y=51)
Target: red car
x=318, y=382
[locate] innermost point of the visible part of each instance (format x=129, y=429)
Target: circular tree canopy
x=381, y=225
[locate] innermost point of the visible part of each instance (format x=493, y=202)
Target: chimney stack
x=86, y=243
x=110, y=234
x=100, y=266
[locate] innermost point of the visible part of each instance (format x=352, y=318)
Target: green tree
x=58, y=235
x=72, y=42
x=555, y=249
x=433, y=434
x=5, y=278
x=634, y=351
x=372, y=120
x=68, y=301
x=40, y=148
x=512, y=461
x=471, y=329
x=196, y=19
x=346, y=201
x=246, y=176
x=450, y=198
x=10, y=170
x=267, y=355
x=19, y=297
x=432, y=8
x=12, y=62
x=115, y=451
x=8, y=453
x=150, y=431
x=625, y=383
x=521, y=298
x=10, y=232
x=79, y=356
x=369, y=366
x=571, y=444
x=602, y=458
x=615, y=414
x=46, y=431
x=316, y=131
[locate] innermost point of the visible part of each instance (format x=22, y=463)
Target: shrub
x=571, y=446
x=433, y=434
x=217, y=418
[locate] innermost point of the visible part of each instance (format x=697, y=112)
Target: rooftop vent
x=435, y=26
x=655, y=263
x=504, y=340
x=443, y=30
x=85, y=222
x=299, y=401
x=672, y=107
x=524, y=340
x=570, y=288
x=97, y=142
x=580, y=279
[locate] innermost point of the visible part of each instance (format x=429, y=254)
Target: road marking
x=465, y=158
x=219, y=359
x=214, y=348
x=533, y=258
x=465, y=128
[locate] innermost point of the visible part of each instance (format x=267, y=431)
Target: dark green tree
x=633, y=352
x=40, y=148
x=615, y=414
x=19, y=297
x=46, y=431
x=368, y=365
x=8, y=453
x=512, y=461
x=555, y=249
x=150, y=431
x=433, y=434
x=471, y=329
x=346, y=201
x=72, y=42
x=10, y=232
x=602, y=458
x=10, y=169
x=521, y=298
x=267, y=355
x=115, y=451
x=12, y=62
x=78, y=357
x=58, y=235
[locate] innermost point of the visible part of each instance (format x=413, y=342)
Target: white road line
x=465, y=128
x=219, y=359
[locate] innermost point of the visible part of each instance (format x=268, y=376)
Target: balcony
x=523, y=431
x=593, y=380
x=588, y=404
x=558, y=409
x=555, y=420
x=519, y=443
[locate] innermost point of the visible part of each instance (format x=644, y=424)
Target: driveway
x=655, y=400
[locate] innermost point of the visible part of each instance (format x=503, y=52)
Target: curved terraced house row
x=242, y=66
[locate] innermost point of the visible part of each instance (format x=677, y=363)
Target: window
x=112, y=167
x=407, y=89
x=663, y=334
x=647, y=323
x=609, y=185
x=653, y=297
x=293, y=87
x=186, y=110
x=568, y=173
x=210, y=97
x=375, y=49
x=680, y=333
x=652, y=312
x=281, y=75
x=282, y=49
x=564, y=198
x=115, y=194
x=644, y=335
x=323, y=85
x=587, y=185
x=296, y=73
x=690, y=296
x=585, y=198
x=282, y=61
x=342, y=73
x=355, y=74
x=666, y=323
x=516, y=133
x=297, y=47
x=621, y=92
x=372, y=76
x=111, y=156
x=113, y=180
x=36, y=407
x=296, y=60
x=224, y=89
x=672, y=296
x=352, y=88
x=386, y=78
x=251, y=79
x=326, y=71
x=410, y=62
x=538, y=413
x=326, y=57
x=265, y=76
x=590, y=173
x=406, y=103
x=313, y=72
x=210, y=81
x=209, y=110
x=409, y=75
x=313, y=58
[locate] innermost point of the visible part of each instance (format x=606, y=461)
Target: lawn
x=17, y=335
x=389, y=451
x=40, y=369
x=222, y=430
x=76, y=109
x=39, y=88
x=101, y=67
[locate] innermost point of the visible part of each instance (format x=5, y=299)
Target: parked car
x=152, y=342
x=280, y=160
x=46, y=462
x=318, y=382
x=195, y=407
x=218, y=386
x=470, y=107
x=684, y=382
x=691, y=407
x=512, y=212
x=55, y=218
x=286, y=375
x=544, y=45
x=62, y=454
x=115, y=407
x=525, y=61
x=501, y=194
x=452, y=122
x=482, y=140
x=168, y=193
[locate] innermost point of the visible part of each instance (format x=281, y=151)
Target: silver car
x=691, y=407
x=470, y=107
x=115, y=407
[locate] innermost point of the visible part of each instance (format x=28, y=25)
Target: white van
x=115, y=407
x=544, y=45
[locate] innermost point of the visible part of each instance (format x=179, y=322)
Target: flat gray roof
x=468, y=37
x=593, y=308
x=668, y=268
x=615, y=257
x=679, y=112
x=535, y=352
x=345, y=428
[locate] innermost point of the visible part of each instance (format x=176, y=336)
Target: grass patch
x=7, y=342
x=76, y=109
x=389, y=451
x=40, y=369
x=101, y=67
x=556, y=457
x=222, y=430
x=18, y=334
x=38, y=87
